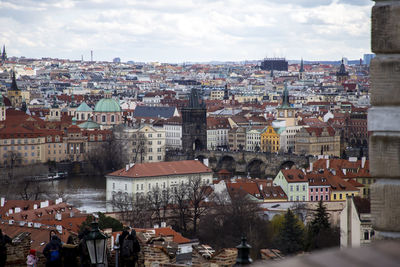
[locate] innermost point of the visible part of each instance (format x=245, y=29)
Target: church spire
x=4, y=54
x=14, y=86
x=285, y=98
x=301, y=66
x=226, y=92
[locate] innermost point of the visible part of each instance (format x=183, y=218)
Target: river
x=84, y=192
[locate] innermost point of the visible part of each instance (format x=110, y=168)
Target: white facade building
x=141, y=178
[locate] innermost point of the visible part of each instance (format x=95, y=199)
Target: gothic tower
x=301, y=71
x=194, y=125
x=342, y=75
x=4, y=54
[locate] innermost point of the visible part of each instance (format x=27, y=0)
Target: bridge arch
x=288, y=164
x=256, y=168
x=226, y=162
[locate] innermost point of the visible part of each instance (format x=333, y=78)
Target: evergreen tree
x=320, y=234
x=291, y=236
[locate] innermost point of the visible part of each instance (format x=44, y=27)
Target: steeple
x=14, y=86
x=4, y=54
x=342, y=74
x=301, y=66
x=226, y=92
x=285, y=98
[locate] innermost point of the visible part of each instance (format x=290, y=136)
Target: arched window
x=82, y=116
x=103, y=118
x=112, y=118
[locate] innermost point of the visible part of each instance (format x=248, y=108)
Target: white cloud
x=184, y=30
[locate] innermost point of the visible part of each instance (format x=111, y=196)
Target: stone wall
x=384, y=119
x=18, y=250
x=223, y=258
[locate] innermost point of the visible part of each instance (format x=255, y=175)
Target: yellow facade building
x=270, y=140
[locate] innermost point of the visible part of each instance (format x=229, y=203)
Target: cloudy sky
x=186, y=30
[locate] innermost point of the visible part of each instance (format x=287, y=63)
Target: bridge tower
x=194, y=125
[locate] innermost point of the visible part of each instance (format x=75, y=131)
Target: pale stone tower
x=384, y=119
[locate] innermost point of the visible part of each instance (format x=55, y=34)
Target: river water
x=87, y=193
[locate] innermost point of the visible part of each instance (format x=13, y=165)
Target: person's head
x=32, y=252
x=133, y=232
x=70, y=240
x=52, y=233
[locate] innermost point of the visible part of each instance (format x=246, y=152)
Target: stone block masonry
x=383, y=119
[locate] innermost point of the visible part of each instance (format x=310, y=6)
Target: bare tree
x=133, y=209
x=197, y=195
x=139, y=147
x=181, y=207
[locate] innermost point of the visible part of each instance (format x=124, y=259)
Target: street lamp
x=96, y=244
x=243, y=257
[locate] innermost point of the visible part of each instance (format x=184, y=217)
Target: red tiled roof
x=294, y=176
x=152, y=169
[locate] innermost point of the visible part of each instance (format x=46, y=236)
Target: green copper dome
x=89, y=124
x=107, y=105
x=83, y=107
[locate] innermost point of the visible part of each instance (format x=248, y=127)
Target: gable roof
x=152, y=169
x=294, y=176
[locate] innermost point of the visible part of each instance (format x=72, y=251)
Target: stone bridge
x=257, y=165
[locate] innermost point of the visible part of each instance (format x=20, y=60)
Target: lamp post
x=243, y=257
x=96, y=243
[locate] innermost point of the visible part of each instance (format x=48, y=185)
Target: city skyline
x=180, y=31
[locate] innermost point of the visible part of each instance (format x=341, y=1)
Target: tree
x=133, y=209
x=139, y=147
x=181, y=207
x=109, y=155
x=320, y=234
x=104, y=222
x=197, y=194
x=232, y=216
x=290, y=239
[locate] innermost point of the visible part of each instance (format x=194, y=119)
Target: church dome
x=107, y=105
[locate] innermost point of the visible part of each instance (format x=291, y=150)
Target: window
x=150, y=149
x=312, y=190
x=158, y=157
x=141, y=187
x=304, y=188
x=158, y=135
x=103, y=118
x=340, y=196
x=366, y=235
x=326, y=197
x=291, y=198
x=149, y=186
x=316, y=198
x=312, y=198
x=297, y=188
x=137, y=187
x=334, y=196
x=159, y=149
x=297, y=198
x=112, y=118
x=150, y=135
x=159, y=142
x=326, y=189
x=304, y=198
x=291, y=188
x=150, y=157
x=126, y=187
x=113, y=185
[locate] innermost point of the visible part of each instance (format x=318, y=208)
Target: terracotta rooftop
x=152, y=169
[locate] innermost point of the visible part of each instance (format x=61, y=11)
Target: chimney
x=35, y=206
x=327, y=164
x=311, y=167
x=363, y=160
x=156, y=226
x=2, y=202
x=59, y=228
x=10, y=211
x=163, y=224
x=261, y=187
x=59, y=200
x=58, y=216
x=205, y=162
x=127, y=167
